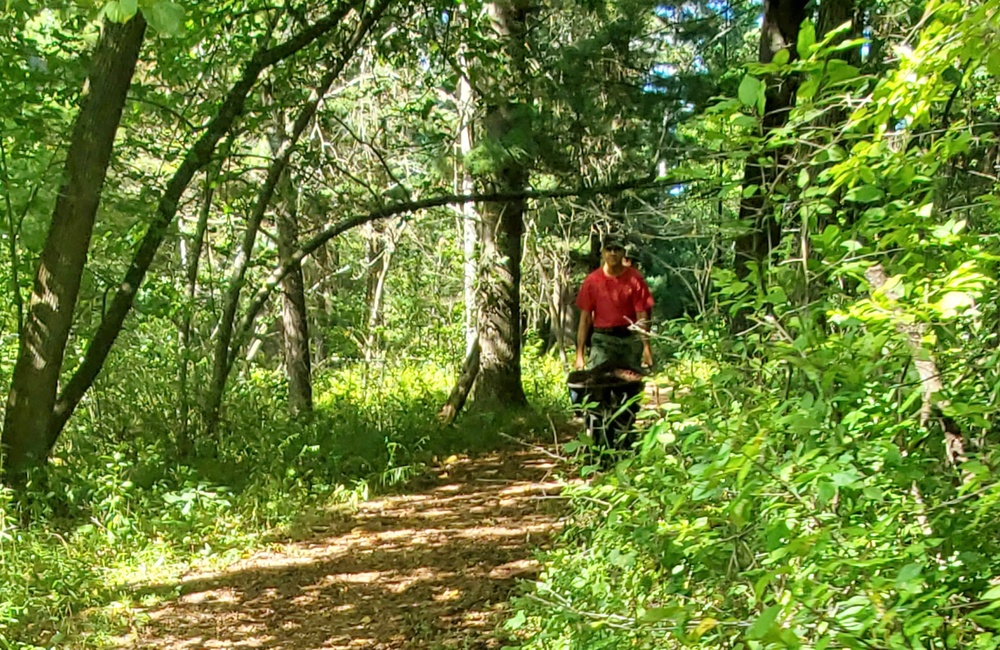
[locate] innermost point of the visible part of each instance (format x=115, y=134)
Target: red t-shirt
x=615, y=301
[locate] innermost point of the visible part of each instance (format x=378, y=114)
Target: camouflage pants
x=619, y=352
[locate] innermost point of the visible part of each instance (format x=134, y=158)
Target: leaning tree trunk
x=57, y=280
x=377, y=263
x=499, y=380
x=225, y=354
x=294, y=318
x=197, y=156
x=191, y=259
x=780, y=31
x=460, y=391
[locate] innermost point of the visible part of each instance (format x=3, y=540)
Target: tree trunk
x=470, y=220
x=225, y=354
x=195, y=159
x=57, y=280
x=377, y=238
x=294, y=318
x=499, y=380
x=780, y=30
x=460, y=392
x=193, y=254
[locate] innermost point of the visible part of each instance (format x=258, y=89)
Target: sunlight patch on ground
x=428, y=570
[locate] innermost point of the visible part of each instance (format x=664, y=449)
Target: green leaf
x=657, y=614
x=992, y=594
x=781, y=57
x=749, y=89
x=864, y=194
x=517, y=622
x=825, y=491
x=807, y=38
x=993, y=63
x=120, y=11
x=909, y=573
x=955, y=301
x=764, y=623
x=165, y=17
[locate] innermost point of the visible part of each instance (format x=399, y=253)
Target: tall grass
x=119, y=506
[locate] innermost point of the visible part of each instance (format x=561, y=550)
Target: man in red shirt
x=616, y=302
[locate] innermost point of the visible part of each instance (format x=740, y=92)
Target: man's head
x=612, y=243
x=612, y=252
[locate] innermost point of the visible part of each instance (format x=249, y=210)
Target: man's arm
x=643, y=322
x=582, y=331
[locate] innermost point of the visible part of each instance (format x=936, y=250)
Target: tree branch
x=196, y=158
x=333, y=230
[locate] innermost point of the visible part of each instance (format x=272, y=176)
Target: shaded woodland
x=264, y=257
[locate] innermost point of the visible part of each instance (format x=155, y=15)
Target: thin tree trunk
x=57, y=280
x=319, y=287
x=376, y=235
x=780, y=30
x=224, y=356
x=470, y=220
x=294, y=317
x=195, y=159
x=193, y=252
x=13, y=228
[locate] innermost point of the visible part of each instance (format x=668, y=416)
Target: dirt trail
x=431, y=569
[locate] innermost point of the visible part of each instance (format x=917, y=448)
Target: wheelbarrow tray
x=608, y=399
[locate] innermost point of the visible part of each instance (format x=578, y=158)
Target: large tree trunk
x=195, y=159
x=780, y=30
x=294, y=318
x=499, y=380
x=57, y=280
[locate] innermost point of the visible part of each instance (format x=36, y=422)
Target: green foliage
x=118, y=505
x=806, y=490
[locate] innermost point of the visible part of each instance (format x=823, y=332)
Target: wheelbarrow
x=608, y=399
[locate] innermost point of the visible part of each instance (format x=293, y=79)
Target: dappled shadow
x=430, y=569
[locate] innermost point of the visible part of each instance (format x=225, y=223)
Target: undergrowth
x=770, y=508
x=118, y=508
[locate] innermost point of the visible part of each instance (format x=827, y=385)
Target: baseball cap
x=612, y=241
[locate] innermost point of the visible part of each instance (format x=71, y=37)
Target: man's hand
x=647, y=357
x=580, y=362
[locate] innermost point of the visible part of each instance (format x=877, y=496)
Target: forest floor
x=432, y=568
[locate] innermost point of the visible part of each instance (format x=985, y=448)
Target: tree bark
x=294, y=317
x=57, y=280
x=193, y=253
x=377, y=262
x=499, y=380
x=470, y=220
x=463, y=386
x=931, y=385
x=195, y=159
x=780, y=30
